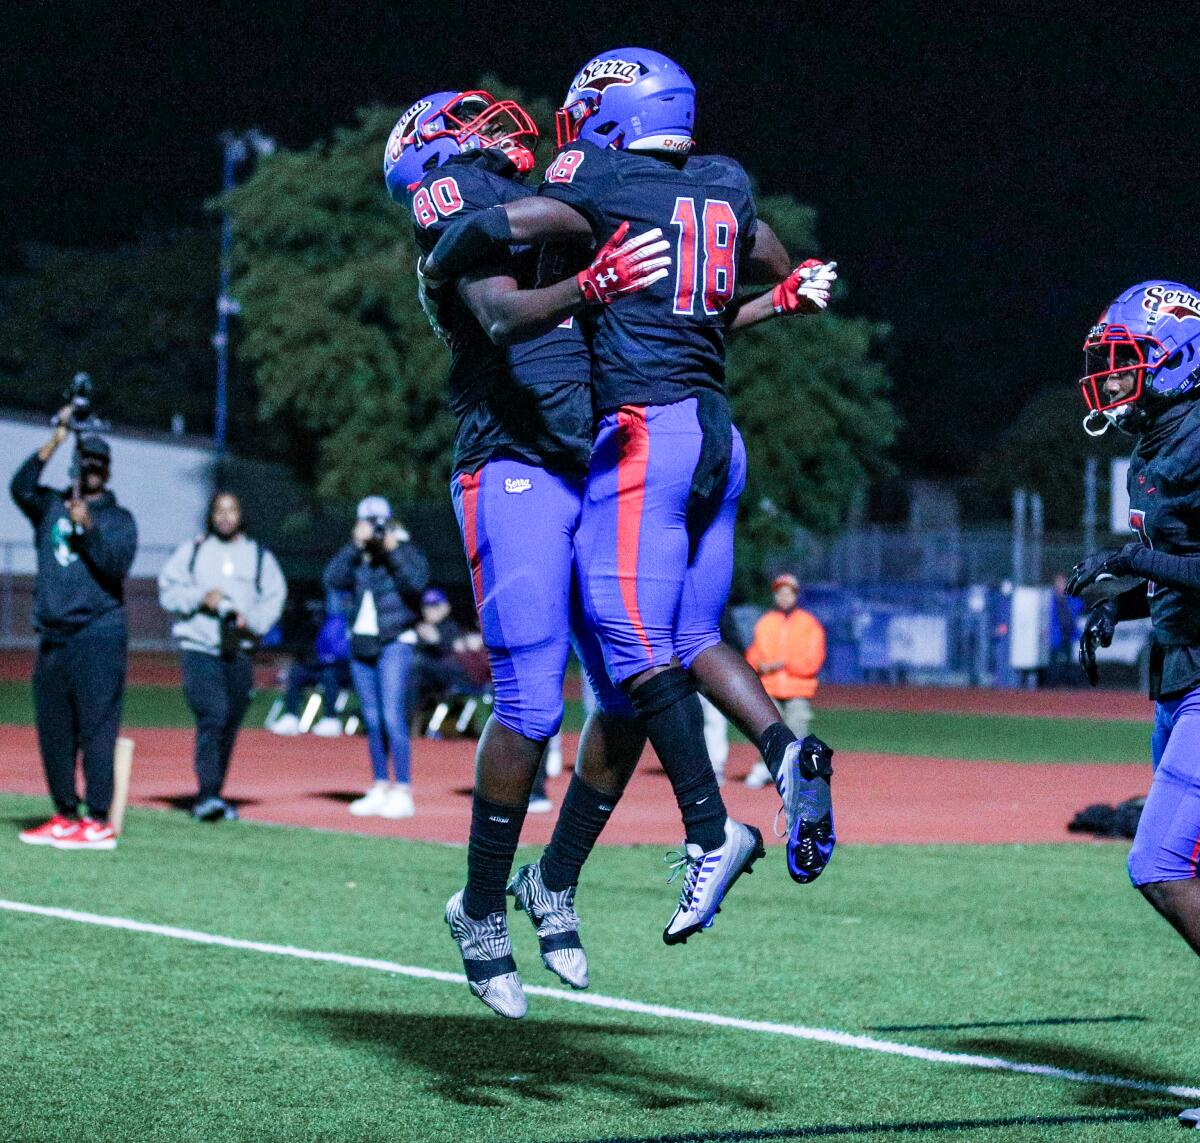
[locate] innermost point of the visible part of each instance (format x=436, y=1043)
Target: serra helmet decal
x=602, y=73
x=629, y=99
x=1176, y=302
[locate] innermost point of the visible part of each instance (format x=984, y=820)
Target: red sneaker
x=51, y=832
x=90, y=835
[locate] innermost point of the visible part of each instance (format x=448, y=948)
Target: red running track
x=880, y=798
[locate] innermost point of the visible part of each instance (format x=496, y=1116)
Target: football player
x=1142, y=362
x=524, y=434
x=1142, y=374
x=655, y=545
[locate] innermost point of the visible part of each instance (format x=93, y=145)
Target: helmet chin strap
x=1110, y=418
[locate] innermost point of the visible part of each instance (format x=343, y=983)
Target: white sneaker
x=759, y=777
x=540, y=805
x=328, y=728
x=287, y=725
x=398, y=803
x=372, y=802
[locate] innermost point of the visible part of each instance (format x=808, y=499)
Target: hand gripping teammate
x=524, y=433
x=656, y=540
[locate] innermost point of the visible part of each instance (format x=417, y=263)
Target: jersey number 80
x=440, y=199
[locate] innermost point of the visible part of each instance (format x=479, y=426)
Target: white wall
x=163, y=482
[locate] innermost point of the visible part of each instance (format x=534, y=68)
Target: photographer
x=226, y=591
x=385, y=574
x=85, y=548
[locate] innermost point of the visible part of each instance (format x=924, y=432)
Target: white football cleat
x=487, y=959
x=708, y=876
x=557, y=924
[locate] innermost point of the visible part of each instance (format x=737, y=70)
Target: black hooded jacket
x=80, y=576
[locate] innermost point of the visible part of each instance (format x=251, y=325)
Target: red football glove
x=622, y=267
x=806, y=289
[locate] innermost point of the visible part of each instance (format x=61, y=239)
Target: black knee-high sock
x=495, y=831
x=674, y=720
x=772, y=744
x=584, y=814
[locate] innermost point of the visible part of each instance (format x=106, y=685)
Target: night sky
x=987, y=182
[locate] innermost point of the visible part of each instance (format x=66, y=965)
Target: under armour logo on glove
x=622, y=267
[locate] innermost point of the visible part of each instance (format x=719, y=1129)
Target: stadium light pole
x=237, y=148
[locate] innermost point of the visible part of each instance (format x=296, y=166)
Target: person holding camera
x=86, y=544
x=226, y=591
x=385, y=573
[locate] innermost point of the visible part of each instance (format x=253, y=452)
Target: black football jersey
x=665, y=343
x=531, y=400
x=1164, y=512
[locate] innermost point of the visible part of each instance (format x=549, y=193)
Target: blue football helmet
x=1152, y=331
x=632, y=99
x=447, y=123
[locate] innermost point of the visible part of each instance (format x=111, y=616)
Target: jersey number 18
x=706, y=254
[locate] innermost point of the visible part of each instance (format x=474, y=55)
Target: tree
x=1044, y=451
x=333, y=331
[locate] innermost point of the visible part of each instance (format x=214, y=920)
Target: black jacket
x=80, y=576
x=396, y=579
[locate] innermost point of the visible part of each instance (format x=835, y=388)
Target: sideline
x=617, y=1004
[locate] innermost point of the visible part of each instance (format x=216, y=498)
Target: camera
x=379, y=531
x=79, y=397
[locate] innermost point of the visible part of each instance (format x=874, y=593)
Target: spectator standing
x=384, y=573
x=788, y=652
x=226, y=591
x=86, y=544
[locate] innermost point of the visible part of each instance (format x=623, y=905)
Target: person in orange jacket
x=788, y=650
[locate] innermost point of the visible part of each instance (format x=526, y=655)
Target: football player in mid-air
x=655, y=544
x=1142, y=374
x=521, y=450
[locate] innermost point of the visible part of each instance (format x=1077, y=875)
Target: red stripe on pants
x=633, y=457
x=469, y=483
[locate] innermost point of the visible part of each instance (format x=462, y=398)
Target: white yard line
x=617, y=1004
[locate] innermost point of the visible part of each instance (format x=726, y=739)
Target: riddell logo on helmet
x=600, y=74
x=1171, y=303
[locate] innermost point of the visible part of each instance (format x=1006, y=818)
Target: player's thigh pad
x=518, y=522
x=609, y=697
x=632, y=545
x=710, y=575
x=1167, y=844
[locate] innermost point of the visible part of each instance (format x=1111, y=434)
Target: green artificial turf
x=1040, y=954
x=971, y=736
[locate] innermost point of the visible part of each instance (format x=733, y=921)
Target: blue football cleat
x=708, y=876
x=803, y=785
